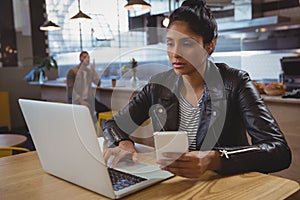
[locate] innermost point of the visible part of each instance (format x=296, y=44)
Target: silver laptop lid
x=65, y=138
x=66, y=143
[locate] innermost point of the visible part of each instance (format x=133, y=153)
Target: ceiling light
x=80, y=16
x=49, y=26
x=137, y=5
x=166, y=21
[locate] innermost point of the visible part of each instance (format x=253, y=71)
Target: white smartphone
x=170, y=141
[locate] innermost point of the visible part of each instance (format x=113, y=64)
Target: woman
x=214, y=103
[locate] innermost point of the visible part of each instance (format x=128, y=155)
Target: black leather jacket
x=231, y=106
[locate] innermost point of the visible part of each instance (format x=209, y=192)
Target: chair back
x=5, y=120
x=8, y=151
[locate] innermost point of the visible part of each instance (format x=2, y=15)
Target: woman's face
x=185, y=49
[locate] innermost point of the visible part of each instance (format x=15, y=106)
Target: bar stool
x=104, y=116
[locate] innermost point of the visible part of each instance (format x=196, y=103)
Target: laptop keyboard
x=121, y=180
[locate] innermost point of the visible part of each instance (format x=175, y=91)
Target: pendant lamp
x=49, y=26
x=137, y=5
x=80, y=16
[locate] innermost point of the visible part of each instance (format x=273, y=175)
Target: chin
x=178, y=71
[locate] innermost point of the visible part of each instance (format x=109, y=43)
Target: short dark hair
x=198, y=17
x=83, y=52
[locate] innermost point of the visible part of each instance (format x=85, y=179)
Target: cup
x=113, y=82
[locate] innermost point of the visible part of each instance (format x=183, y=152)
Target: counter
x=113, y=97
x=56, y=91
x=285, y=111
x=279, y=99
x=57, y=87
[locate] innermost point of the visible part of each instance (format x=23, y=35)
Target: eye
x=170, y=44
x=188, y=43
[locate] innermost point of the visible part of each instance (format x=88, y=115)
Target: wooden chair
x=8, y=151
x=104, y=116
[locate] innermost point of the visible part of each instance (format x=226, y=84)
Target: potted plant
x=134, y=65
x=41, y=64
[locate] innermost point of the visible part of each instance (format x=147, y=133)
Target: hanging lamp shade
x=137, y=5
x=81, y=16
x=49, y=26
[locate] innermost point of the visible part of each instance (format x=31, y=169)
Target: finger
x=165, y=162
x=121, y=154
x=185, y=157
x=135, y=157
x=182, y=172
x=114, y=162
x=107, y=154
x=177, y=156
x=173, y=155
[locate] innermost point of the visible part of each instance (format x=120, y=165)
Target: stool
x=104, y=116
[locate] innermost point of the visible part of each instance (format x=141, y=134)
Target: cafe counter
x=285, y=110
x=55, y=91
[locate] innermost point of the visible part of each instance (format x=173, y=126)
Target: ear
x=210, y=47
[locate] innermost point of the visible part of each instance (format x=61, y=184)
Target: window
x=98, y=32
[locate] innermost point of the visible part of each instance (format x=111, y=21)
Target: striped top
x=189, y=120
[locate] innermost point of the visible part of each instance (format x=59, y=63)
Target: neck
x=82, y=66
x=193, y=88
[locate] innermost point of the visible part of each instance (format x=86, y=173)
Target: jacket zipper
x=115, y=135
x=227, y=153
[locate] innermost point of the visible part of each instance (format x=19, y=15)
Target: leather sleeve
x=130, y=117
x=269, y=151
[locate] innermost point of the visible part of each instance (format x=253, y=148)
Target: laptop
x=67, y=145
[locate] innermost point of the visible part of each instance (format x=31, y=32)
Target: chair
x=5, y=120
x=104, y=116
x=8, y=151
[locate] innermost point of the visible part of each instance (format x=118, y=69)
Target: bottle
x=41, y=78
x=281, y=77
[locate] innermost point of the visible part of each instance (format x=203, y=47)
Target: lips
x=178, y=65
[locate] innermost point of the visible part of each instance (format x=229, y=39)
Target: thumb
x=135, y=157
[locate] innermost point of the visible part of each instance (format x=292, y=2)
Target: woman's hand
x=192, y=164
x=125, y=149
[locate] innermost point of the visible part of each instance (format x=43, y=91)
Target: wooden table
x=22, y=177
x=10, y=140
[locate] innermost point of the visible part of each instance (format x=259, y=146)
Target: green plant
x=134, y=63
x=41, y=64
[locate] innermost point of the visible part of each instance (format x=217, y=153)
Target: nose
x=176, y=51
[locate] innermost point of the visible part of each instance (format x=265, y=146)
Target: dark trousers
x=100, y=107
